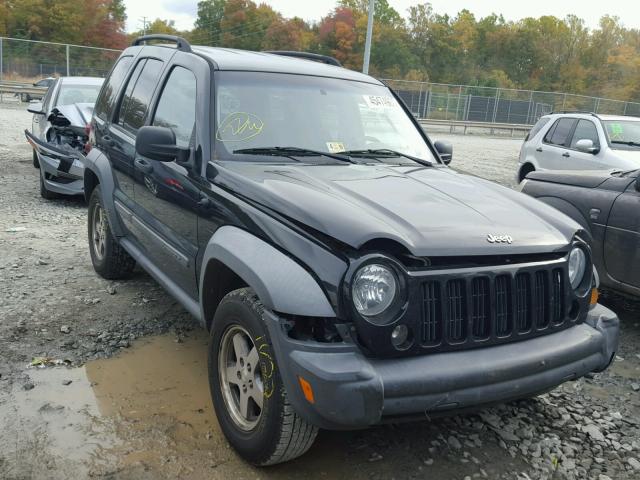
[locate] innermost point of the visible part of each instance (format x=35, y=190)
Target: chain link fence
x=466, y=103
x=30, y=60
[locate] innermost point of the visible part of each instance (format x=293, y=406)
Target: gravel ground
x=53, y=305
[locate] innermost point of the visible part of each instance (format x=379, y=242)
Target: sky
x=183, y=12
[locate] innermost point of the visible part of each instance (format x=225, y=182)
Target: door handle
x=143, y=165
x=566, y=154
x=539, y=149
x=204, y=202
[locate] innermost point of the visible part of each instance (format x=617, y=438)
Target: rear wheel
x=248, y=396
x=526, y=169
x=109, y=259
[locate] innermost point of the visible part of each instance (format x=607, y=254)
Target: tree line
x=545, y=53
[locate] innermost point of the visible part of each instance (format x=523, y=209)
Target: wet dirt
x=146, y=413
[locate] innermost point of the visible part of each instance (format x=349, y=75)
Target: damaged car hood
x=75, y=116
x=432, y=211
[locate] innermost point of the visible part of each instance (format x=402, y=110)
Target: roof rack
x=180, y=42
x=306, y=56
x=585, y=112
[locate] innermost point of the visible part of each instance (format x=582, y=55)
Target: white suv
x=581, y=141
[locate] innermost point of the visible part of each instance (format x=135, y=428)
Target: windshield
x=74, y=93
x=265, y=110
x=623, y=134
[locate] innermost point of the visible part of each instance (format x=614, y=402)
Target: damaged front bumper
x=62, y=170
x=354, y=391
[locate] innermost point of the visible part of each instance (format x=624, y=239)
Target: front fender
x=282, y=284
x=97, y=164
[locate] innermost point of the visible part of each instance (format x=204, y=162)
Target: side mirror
x=159, y=143
x=445, y=149
x=35, y=108
x=586, y=145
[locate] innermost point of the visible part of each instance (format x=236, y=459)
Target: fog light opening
x=401, y=337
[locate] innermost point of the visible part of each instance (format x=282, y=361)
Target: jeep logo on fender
x=499, y=238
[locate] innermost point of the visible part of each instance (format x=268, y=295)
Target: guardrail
x=21, y=89
x=453, y=124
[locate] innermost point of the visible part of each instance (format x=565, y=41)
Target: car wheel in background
x=44, y=192
x=248, y=395
x=109, y=259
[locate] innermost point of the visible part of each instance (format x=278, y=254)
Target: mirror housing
x=445, y=149
x=586, y=145
x=35, y=108
x=159, y=143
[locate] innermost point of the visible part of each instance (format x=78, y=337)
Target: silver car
x=58, y=133
x=581, y=141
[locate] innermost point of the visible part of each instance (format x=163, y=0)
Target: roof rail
x=180, y=42
x=586, y=112
x=307, y=56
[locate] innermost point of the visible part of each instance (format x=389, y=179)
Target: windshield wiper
x=627, y=142
x=291, y=151
x=385, y=152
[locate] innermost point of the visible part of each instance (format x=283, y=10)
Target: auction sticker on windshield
x=378, y=101
x=335, y=147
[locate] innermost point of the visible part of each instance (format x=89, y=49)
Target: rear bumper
x=353, y=391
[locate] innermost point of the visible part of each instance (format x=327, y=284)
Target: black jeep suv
x=347, y=275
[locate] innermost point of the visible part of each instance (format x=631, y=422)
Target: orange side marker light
x=307, y=390
x=594, y=296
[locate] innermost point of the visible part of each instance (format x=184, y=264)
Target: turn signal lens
x=307, y=390
x=594, y=296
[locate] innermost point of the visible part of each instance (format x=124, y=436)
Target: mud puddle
x=147, y=414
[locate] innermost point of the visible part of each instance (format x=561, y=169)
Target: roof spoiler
x=181, y=43
x=307, y=56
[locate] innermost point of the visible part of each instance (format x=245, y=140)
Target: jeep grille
x=459, y=310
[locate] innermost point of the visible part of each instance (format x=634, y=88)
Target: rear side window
x=559, y=133
x=107, y=98
x=536, y=128
x=585, y=130
x=136, y=100
x=177, y=106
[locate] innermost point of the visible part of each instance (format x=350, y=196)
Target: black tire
x=526, y=170
x=109, y=259
x=44, y=192
x=279, y=434
x=36, y=162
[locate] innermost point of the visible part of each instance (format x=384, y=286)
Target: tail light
x=91, y=137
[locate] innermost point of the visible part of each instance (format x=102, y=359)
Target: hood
x=432, y=211
x=626, y=159
x=74, y=116
x=578, y=178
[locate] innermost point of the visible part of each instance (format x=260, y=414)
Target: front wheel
x=247, y=392
x=109, y=259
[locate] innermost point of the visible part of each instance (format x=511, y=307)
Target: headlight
x=577, y=266
x=374, y=289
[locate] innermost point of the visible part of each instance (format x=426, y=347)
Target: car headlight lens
x=577, y=266
x=374, y=288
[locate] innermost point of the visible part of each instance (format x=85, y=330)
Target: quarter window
x=536, y=128
x=177, y=106
x=107, y=97
x=585, y=130
x=136, y=100
x=560, y=131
